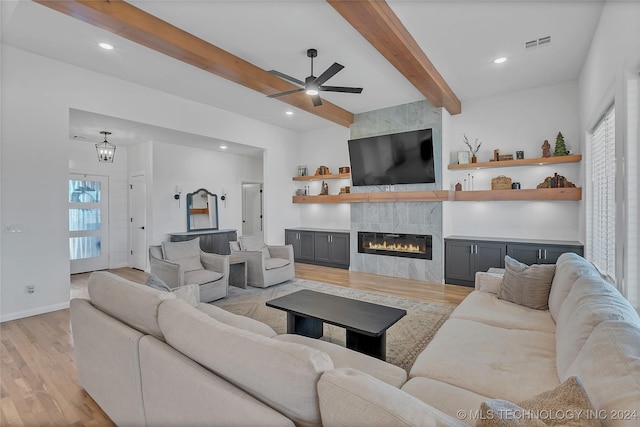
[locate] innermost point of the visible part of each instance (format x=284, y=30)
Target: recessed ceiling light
x=289, y=113
x=500, y=60
x=223, y=147
x=106, y=46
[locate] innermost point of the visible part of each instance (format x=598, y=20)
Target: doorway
x=88, y=222
x=137, y=223
x=251, y=208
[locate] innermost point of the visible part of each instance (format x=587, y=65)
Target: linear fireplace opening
x=394, y=244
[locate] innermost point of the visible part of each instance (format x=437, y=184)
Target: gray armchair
x=267, y=265
x=184, y=263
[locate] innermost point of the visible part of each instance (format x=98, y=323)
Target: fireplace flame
x=395, y=247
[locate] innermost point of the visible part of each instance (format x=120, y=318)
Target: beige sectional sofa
x=149, y=358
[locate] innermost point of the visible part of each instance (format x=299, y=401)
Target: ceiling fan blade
x=329, y=72
x=341, y=89
x=316, y=100
x=289, y=92
x=284, y=76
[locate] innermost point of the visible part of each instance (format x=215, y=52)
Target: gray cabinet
x=302, y=242
x=321, y=247
x=212, y=241
x=531, y=253
x=464, y=256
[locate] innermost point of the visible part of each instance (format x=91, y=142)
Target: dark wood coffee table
x=366, y=324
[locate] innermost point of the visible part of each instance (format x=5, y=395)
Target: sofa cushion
x=186, y=254
x=526, y=285
x=609, y=367
x=566, y=405
x=569, y=267
x=351, y=398
x=237, y=321
x=200, y=277
x=254, y=242
x=491, y=361
x=590, y=302
x=487, y=308
x=271, y=263
x=343, y=357
x=282, y=375
x=444, y=397
x=132, y=303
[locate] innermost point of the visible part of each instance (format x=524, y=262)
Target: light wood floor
x=38, y=379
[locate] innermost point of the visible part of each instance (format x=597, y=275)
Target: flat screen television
x=399, y=158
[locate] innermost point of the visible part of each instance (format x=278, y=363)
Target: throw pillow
x=157, y=283
x=254, y=242
x=566, y=405
x=187, y=254
x=526, y=285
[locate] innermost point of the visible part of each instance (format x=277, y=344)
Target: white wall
x=192, y=169
x=510, y=122
x=83, y=159
x=326, y=147
x=37, y=93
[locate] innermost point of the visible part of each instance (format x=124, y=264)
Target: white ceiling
x=460, y=37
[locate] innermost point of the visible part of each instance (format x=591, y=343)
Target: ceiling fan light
x=312, y=92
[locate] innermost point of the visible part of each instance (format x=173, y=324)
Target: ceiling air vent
x=542, y=41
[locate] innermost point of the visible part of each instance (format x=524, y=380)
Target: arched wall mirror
x=202, y=210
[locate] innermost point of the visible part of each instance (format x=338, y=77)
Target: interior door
x=138, y=231
x=88, y=223
x=251, y=208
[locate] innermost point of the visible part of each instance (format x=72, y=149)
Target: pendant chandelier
x=106, y=151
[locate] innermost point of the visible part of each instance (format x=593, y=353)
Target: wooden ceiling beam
x=134, y=24
x=380, y=26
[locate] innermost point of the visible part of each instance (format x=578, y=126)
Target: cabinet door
x=322, y=246
x=489, y=255
x=307, y=246
x=458, y=262
x=291, y=238
x=527, y=254
x=550, y=253
x=340, y=248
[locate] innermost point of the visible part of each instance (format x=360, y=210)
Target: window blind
x=602, y=192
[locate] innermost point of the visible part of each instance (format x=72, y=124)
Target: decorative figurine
x=561, y=149
x=546, y=148
x=325, y=189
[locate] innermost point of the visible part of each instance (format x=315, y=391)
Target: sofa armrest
x=350, y=397
x=215, y=262
x=169, y=272
x=284, y=251
x=488, y=282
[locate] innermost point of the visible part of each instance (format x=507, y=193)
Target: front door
x=88, y=223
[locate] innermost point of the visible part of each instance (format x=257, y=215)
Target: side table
x=237, y=271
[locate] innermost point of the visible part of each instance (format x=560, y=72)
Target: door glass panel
x=84, y=219
x=84, y=191
x=84, y=247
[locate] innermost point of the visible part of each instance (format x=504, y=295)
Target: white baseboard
x=33, y=312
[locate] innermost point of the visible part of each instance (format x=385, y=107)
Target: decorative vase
x=474, y=159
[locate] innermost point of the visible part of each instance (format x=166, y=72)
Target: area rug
x=405, y=340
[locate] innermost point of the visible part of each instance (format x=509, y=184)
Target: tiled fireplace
x=406, y=245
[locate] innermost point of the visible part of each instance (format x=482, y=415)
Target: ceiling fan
x=312, y=84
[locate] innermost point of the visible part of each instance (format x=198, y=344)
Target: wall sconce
x=177, y=194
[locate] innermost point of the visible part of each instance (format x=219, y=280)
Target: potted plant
x=474, y=149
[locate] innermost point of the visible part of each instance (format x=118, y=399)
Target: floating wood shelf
x=558, y=194
x=389, y=196
x=572, y=193
x=322, y=177
x=522, y=162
